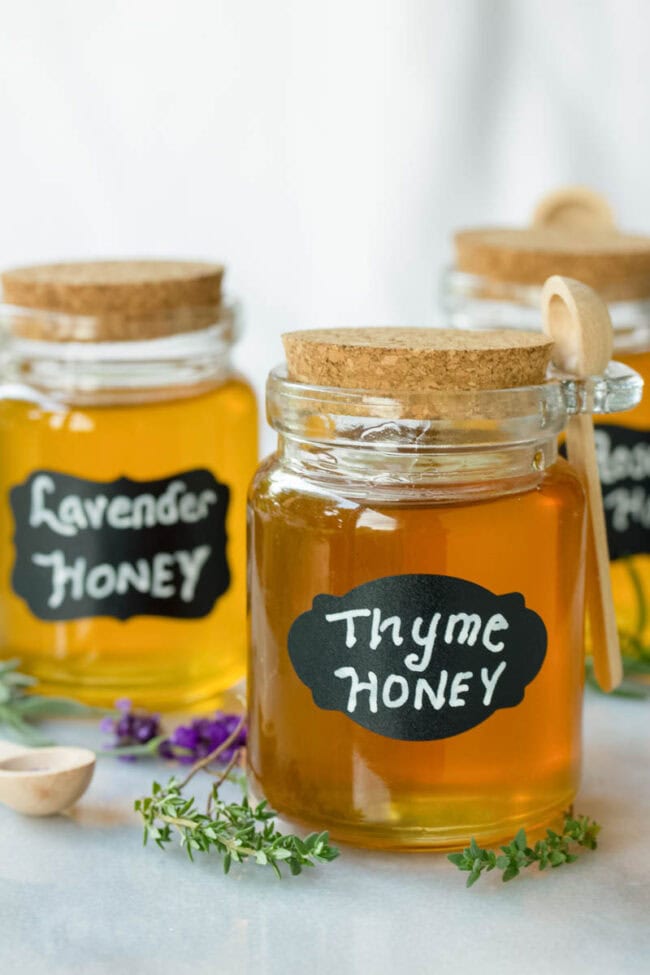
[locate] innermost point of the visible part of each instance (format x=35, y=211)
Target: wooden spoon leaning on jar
x=578, y=321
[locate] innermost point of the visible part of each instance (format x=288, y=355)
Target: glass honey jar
x=127, y=442
x=496, y=281
x=417, y=565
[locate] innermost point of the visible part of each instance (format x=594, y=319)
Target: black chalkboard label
x=121, y=548
x=418, y=657
x=624, y=466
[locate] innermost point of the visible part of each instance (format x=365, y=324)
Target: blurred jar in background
x=127, y=443
x=496, y=281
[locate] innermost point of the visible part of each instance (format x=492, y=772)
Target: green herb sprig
x=554, y=851
x=19, y=705
x=237, y=831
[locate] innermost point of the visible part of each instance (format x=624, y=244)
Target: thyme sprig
x=553, y=851
x=19, y=705
x=237, y=831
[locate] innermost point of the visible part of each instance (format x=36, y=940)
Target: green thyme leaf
x=6, y=666
x=40, y=708
x=19, y=706
x=554, y=851
x=136, y=751
x=236, y=831
x=21, y=729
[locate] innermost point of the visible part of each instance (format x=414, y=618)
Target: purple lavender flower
x=189, y=743
x=131, y=727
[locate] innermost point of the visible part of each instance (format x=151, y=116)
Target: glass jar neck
x=96, y=373
x=473, y=471
x=473, y=301
x=481, y=439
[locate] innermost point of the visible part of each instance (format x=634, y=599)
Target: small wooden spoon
x=8, y=749
x=578, y=321
x=43, y=781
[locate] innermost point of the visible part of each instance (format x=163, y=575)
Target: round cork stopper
x=617, y=265
x=125, y=299
x=390, y=360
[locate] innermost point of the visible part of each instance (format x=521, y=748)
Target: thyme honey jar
x=496, y=281
x=127, y=442
x=417, y=566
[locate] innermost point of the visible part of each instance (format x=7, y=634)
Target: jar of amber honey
x=127, y=442
x=496, y=282
x=417, y=563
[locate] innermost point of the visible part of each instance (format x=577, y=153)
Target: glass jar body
x=623, y=451
x=113, y=581
x=520, y=766
x=622, y=442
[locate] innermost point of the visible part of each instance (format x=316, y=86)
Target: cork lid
x=573, y=234
x=388, y=360
x=125, y=299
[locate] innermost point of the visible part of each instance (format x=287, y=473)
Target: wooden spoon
x=8, y=749
x=578, y=321
x=43, y=781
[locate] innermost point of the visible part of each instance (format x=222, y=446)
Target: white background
x=323, y=150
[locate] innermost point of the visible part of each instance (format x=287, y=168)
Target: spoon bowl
x=45, y=781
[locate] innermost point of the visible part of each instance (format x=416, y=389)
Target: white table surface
x=80, y=894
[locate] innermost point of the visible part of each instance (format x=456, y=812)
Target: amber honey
x=127, y=442
x=157, y=661
x=521, y=766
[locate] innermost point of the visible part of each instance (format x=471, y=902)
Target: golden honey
x=123, y=476
x=376, y=511
x=304, y=759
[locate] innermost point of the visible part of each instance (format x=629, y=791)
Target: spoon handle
x=599, y=599
x=578, y=321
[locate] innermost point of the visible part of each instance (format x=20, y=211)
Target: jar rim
x=472, y=286
x=475, y=301
x=421, y=419
x=114, y=371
